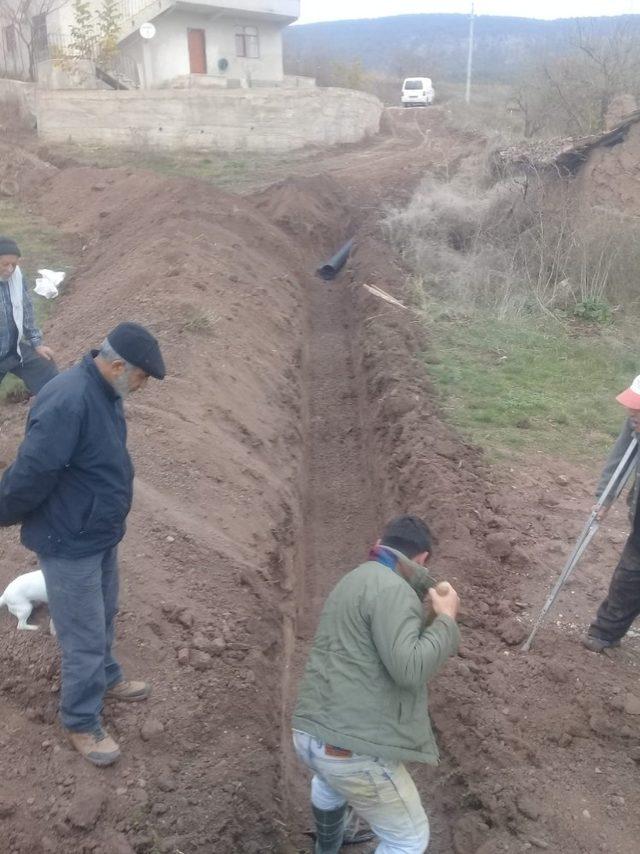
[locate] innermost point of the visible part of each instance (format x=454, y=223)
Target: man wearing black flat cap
x=71, y=489
x=21, y=349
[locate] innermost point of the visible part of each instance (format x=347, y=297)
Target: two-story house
x=221, y=42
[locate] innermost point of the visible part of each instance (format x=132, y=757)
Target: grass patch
x=42, y=247
x=223, y=170
x=530, y=384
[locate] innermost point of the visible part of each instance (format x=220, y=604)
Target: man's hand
x=602, y=512
x=444, y=600
x=46, y=352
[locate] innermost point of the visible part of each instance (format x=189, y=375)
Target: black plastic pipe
x=330, y=270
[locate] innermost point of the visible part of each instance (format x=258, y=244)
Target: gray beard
x=121, y=385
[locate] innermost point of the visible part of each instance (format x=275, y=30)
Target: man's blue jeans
x=83, y=603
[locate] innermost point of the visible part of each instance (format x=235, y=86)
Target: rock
x=398, y=404
x=562, y=480
x=586, y=814
x=512, y=632
x=528, y=807
x=7, y=809
x=186, y=619
x=469, y=834
x=499, y=545
x=218, y=646
x=634, y=753
x=183, y=656
x=557, y=672
x=200, y=660
x=152, y=729
x=166, y=782
x=539, y=843
x=601, y=724
x=201, y=642
x=86, y=807
x=117, y=843
x=632, y=704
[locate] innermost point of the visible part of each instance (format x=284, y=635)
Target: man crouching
x=362, y=705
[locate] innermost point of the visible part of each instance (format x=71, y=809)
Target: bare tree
x=27, y=20
x=570, y=89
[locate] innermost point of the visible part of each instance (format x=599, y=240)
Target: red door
x=197, y=51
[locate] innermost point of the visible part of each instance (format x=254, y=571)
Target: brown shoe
x=128, y=691
x=96, y=746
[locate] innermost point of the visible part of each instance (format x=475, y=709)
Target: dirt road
x=297, y=416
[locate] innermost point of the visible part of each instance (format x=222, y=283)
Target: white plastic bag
x=48, y=283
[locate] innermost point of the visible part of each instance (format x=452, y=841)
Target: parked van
x=418, y=91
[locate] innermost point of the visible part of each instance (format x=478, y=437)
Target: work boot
x=599, y=644
x=96, y=746
x=330, y=827
x=128, y=691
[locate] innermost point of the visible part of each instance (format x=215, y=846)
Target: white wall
x=168, y=51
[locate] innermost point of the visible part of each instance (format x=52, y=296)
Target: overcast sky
x=332, y=10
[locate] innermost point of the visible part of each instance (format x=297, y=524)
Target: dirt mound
x=217, y=449
x=21, y=171
x=311, y=209
x=610, y=178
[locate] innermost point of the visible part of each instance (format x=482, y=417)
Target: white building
x=226, y=43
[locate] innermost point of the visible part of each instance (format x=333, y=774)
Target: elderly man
x=622, y=605
x=362, y=704
x=71, y=488
x=21, y=349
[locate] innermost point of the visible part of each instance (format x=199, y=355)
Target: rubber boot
x=330, y=826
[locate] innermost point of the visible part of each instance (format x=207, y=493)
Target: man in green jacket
x=362, y=704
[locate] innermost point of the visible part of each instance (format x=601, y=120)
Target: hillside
x=438, y=43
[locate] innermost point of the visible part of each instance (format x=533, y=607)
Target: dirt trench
x=297, y=416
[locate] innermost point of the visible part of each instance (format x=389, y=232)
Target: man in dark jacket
x=362, y=704
x=622, y=605
x=21, y=349
x=71, y=489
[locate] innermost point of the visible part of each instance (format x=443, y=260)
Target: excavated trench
x=297, y=417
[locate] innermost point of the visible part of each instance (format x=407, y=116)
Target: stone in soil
x=86, y=807
x=152, y=729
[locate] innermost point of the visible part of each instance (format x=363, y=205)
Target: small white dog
x=21, y=596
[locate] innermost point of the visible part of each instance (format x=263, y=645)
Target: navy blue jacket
x=71, y=484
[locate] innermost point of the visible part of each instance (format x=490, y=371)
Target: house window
x=39, y=36
x=10, y=39
x=247, y=42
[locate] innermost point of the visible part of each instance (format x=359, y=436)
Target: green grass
x=41, y=246
x=224, y=170
x=531, y=384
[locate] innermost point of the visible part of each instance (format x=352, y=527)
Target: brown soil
x=296, y=417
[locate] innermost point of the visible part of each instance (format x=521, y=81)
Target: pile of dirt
x=205, y=564
x=610, y=178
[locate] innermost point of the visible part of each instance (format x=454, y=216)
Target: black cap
x=136, y=345
x=9, y=247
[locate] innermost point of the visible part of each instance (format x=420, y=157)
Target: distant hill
x=435, y=44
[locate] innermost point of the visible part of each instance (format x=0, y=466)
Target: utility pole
x=470, y=57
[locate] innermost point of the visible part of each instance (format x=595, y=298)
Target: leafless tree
x=27, y=20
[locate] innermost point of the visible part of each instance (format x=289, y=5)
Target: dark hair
x=408, y=535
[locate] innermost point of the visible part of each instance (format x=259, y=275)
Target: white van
x=418, y=91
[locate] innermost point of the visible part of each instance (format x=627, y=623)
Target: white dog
x=22, y=594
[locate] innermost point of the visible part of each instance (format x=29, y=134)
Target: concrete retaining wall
x=250, y=120
x=21, y=95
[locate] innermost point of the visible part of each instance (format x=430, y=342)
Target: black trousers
x=622, y=605
x=34, y=370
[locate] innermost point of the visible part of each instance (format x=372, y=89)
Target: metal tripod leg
x=616, y=484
